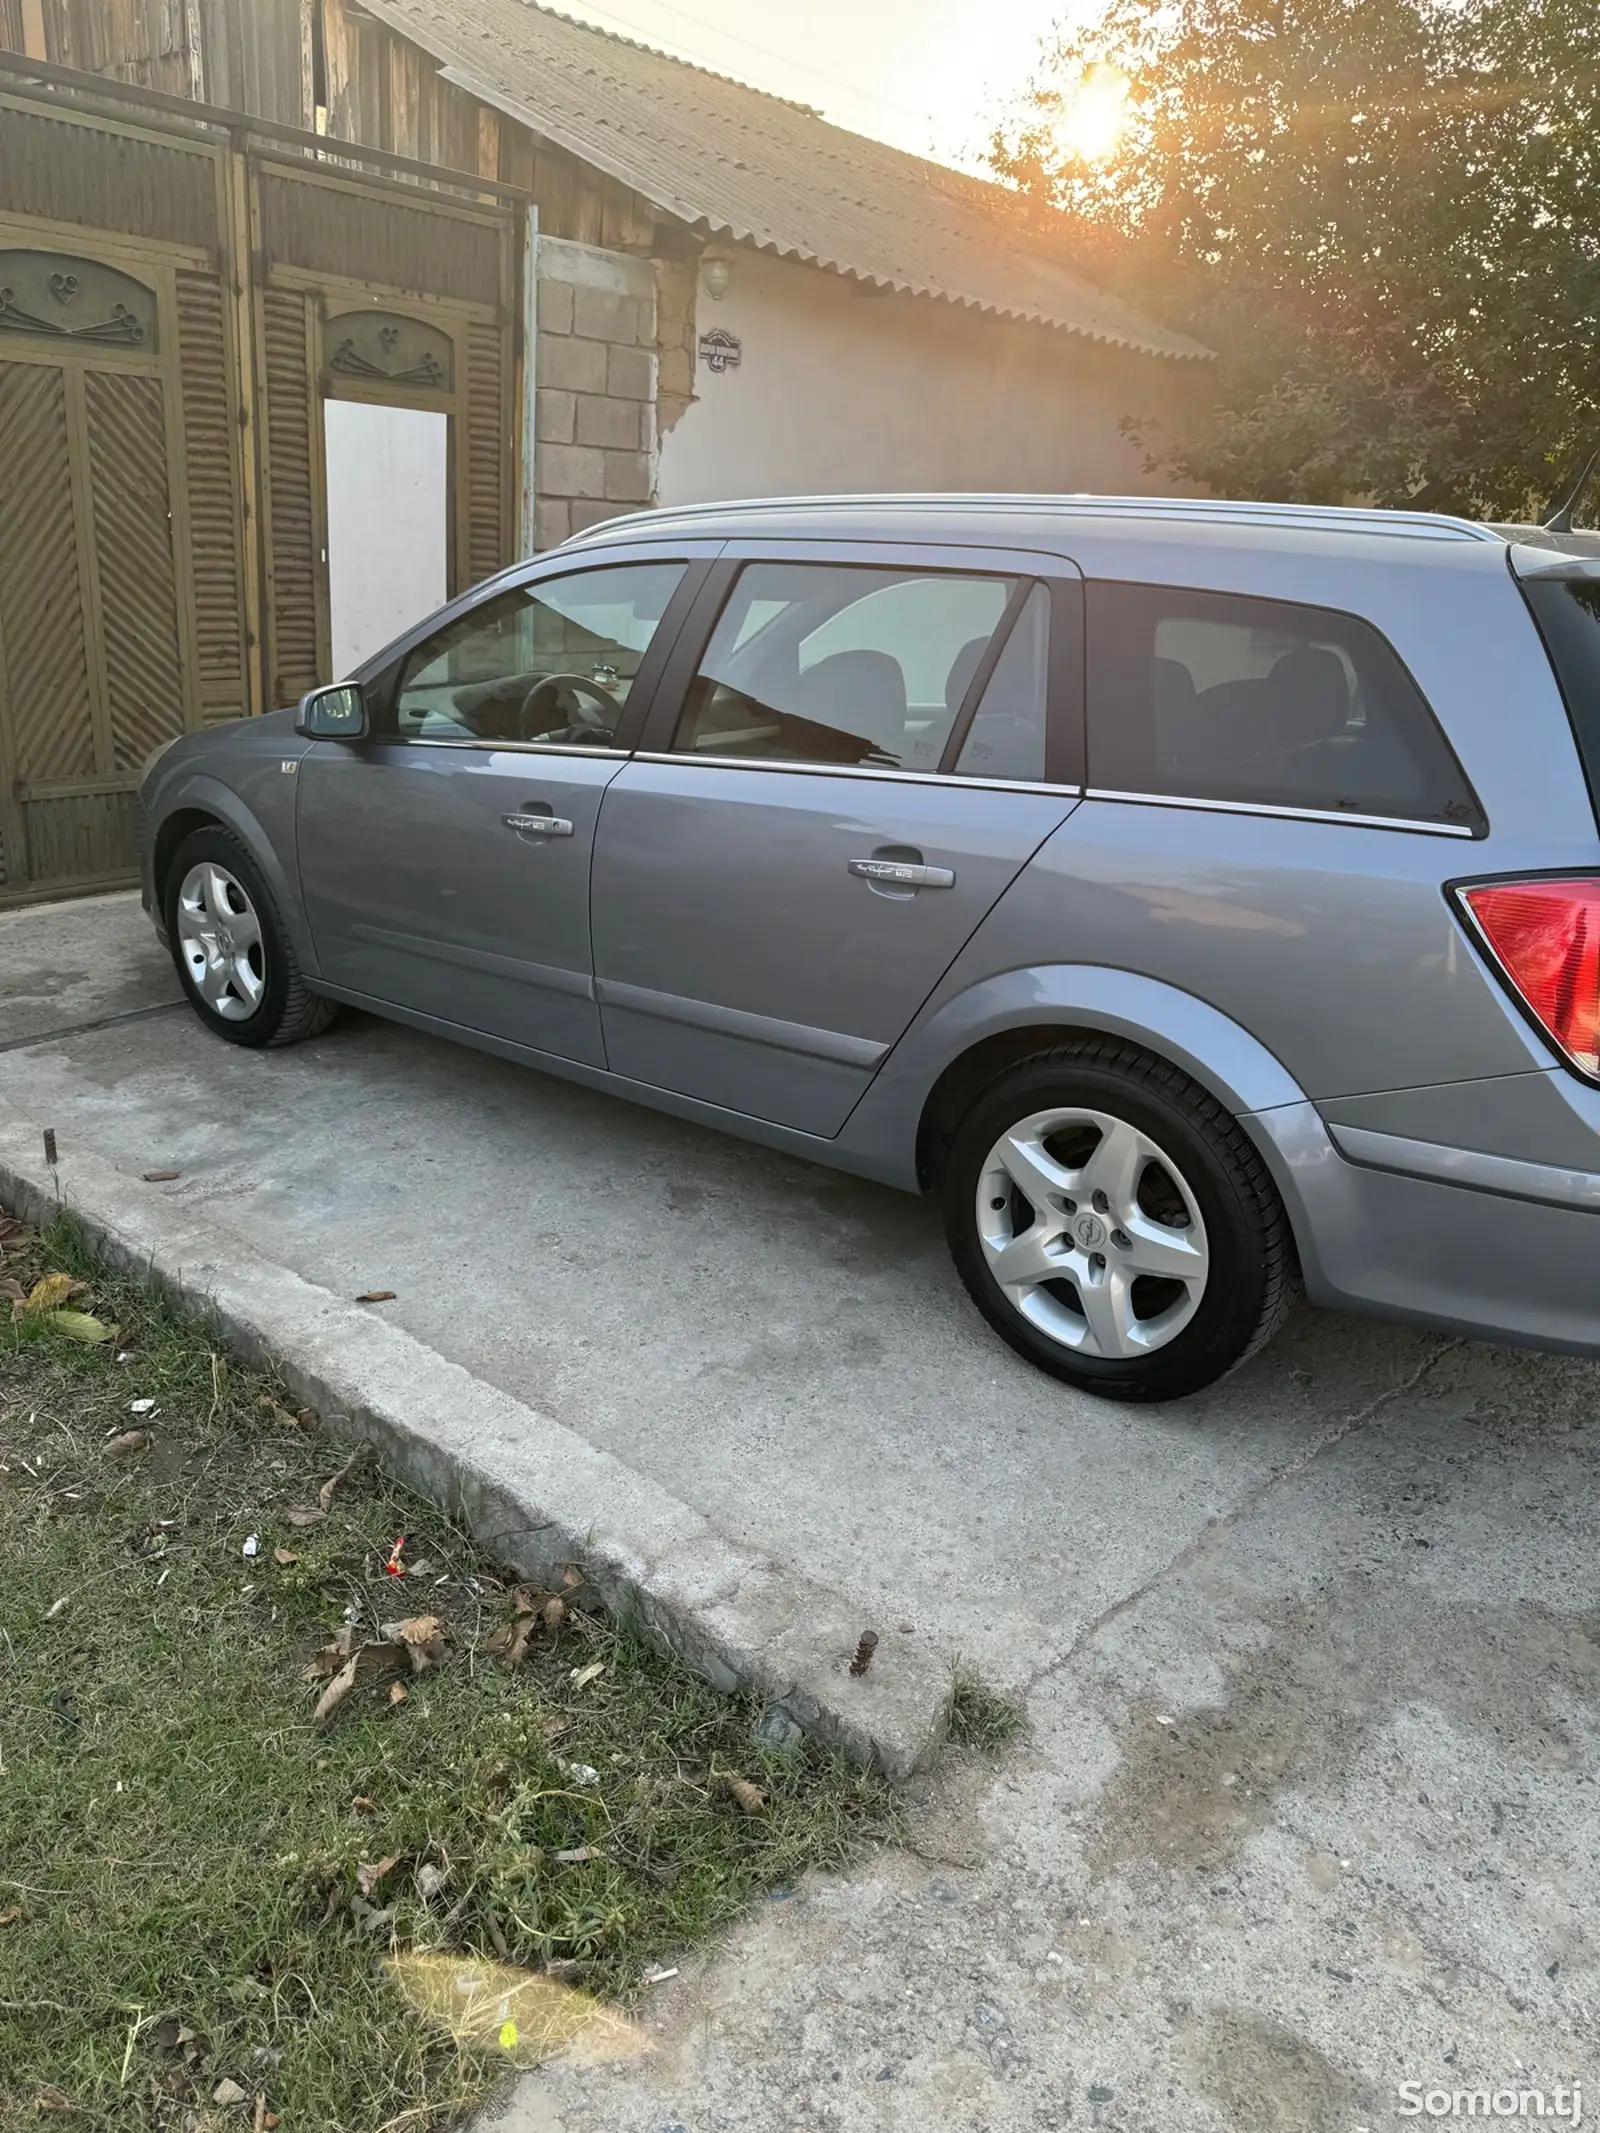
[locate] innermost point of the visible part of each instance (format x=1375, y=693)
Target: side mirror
x=336, y=713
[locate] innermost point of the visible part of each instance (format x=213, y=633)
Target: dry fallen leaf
x=275, y=1412
x=430, y=1880
x=283, y=1557
x=571, y=1576
x=9, y=1916
x=325, y=1493
x=131, y=1440
x=498, y=1640
x=332, y=1656
x=49, y=2099
x=228, y=2092
x=160, y=1177
x=13, y=1289
x=583, y=1675
x=423, y=1639
x=304, y=1514
x=81, y=1326
x=369, y=1662
x=372, y=1872
x=748, y=1798
x=553, y=1613
x=376, y=1296
x=398, y=1692
x=306, y=1418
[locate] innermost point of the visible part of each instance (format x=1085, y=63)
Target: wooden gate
x=174, y=307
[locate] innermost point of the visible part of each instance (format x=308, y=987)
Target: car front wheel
x=233, y=954
x=1115, y=1224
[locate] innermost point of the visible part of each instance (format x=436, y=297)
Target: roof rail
x=1426, y=525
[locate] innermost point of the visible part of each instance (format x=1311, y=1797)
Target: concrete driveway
x=1307, y=1807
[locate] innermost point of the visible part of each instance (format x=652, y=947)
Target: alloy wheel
x=220, y=941
x=1092, y=1233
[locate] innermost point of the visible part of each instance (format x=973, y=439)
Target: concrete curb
x=531, y=1491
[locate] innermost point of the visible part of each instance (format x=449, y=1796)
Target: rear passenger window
x=1007, y=736
x=1215, y=696
x=840, y=663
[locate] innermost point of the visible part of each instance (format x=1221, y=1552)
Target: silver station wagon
x=1201, y=898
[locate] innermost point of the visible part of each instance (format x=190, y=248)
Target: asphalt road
x=1307, y=1805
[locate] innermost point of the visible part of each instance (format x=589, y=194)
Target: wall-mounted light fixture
x=716, y=271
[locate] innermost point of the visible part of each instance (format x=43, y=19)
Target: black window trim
x=1476, y=830
x=1064, y=679
x=1578, y=720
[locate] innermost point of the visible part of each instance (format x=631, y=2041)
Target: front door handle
x=538, y=825
x=902, y=873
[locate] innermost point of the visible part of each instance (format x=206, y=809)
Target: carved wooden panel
x=127, y=439
x=57, y=297
x=386, y=347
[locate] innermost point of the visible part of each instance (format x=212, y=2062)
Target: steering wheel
x=592, y=720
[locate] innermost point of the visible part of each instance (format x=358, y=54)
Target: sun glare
x=1090, y=123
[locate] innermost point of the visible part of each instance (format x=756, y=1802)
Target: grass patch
x=977, y=1716
x=183, y=1849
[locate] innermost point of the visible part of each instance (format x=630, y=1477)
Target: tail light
x=1545, y=936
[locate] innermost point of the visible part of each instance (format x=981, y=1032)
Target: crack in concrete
x=81, y=1029
x=1218, y=1528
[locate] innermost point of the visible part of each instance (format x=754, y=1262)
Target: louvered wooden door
x=119, y=548
x=364, y=294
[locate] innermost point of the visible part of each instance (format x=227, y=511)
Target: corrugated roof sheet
x=731, y=161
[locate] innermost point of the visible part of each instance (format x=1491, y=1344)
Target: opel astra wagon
x=1202, y=899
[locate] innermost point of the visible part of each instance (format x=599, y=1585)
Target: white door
x=388, y=519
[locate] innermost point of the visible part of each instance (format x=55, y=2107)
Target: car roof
x=1054, y=522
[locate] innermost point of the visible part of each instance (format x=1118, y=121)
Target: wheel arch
x=206, y=803
x=963, y=1042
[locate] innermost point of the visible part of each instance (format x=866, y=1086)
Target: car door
x=856, y=750
x=444, y=859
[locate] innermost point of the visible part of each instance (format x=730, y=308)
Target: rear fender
x=1054, y=1000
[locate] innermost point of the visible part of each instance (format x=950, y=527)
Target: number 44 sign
x=721, y=350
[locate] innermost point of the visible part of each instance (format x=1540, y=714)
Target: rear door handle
x=902, y=873
x=538, y=825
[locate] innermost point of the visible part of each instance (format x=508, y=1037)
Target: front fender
x=1220, y=1055
x=264, y=825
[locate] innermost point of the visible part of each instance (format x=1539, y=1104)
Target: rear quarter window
x=1567, y=611
x=1222, y=697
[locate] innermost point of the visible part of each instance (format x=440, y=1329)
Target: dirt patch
x=1194, y=1786
x=1265, y=2078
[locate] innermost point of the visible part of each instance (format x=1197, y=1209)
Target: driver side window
x=552, y=661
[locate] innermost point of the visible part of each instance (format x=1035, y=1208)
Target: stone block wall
x=594, y=408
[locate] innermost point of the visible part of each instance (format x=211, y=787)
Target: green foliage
x=977, y=1716
x=1380, y=214
x=197, y=1881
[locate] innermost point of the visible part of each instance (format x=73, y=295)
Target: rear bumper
x=1513, y=1255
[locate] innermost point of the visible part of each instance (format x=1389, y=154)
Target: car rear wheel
x=233, y=954
x=1115, y=1224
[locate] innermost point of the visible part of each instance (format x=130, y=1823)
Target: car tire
x=232, y=950
x=1146, y=1252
